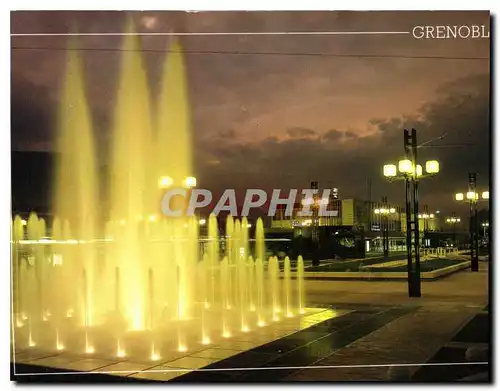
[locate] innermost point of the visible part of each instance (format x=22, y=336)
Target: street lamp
x=385, y=212
x=426, y=217
x=453, y=221
x=485, y=226
x=473, y=197
x=412, y=172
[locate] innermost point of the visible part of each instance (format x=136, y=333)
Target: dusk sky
x=269, y=120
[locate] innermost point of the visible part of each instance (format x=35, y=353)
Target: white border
x=174, y=5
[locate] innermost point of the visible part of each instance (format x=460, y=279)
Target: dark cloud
x=297, y=132
x=332, y=135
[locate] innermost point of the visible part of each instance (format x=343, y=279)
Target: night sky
x=280, y=121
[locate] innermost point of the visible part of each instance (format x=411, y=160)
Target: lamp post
x=385, y=212
x=453, y=220
x=412, y=173
x=485, y=226
x=165, y=182
x=472, y=197
x=426, y=217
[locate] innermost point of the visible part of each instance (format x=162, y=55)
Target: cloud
x=461, y=110
x=297, y=132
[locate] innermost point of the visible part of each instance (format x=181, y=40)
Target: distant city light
x=190, y=182
x=165, y=181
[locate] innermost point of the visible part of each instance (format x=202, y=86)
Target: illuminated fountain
x=115, y=278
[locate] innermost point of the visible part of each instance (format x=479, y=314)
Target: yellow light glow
x=392, y=210
x=202, y=221
x=276, y=318
x=19, y=323
x=226, y=334
x=252, y=308
x=152, y=218
x=405, y=166
x=390, y=170
x=419, y=216
x=122, y=222
x=60, y=346
x=289, y=315
x=31, y=343
x=459, y=196
x=419, y=170
x=69, y=313
x=377, y=211
x=120, y=353
x=245, y=329
x=458, y=220
x=165, y=181
x=182, y=348
x=307, y=201
x=261, y=323
x=206, y=341
x=249, y=225
x=24, y=316
x=302, y=311
x=485, y=195
x=89, y=350
x=190, y=181
x=448, y=220
x=432, y=166
x=57, y=259
x=24, y=222
x=155, y=357
x=431, y=215
x=471, y=195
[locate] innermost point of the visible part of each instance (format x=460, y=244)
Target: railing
x=439, y=252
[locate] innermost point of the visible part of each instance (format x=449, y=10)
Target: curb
x=427, y=276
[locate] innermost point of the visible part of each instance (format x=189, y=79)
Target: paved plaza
x=358, y=331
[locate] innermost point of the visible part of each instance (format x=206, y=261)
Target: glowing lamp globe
x=390, y=170
x=405, y=166
x=419, y=170
x=165, y=181
x=432, y=166
x=190, y=182
x=471, y=195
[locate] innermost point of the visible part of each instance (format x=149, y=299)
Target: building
x=357, y=216
x=364, y=218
